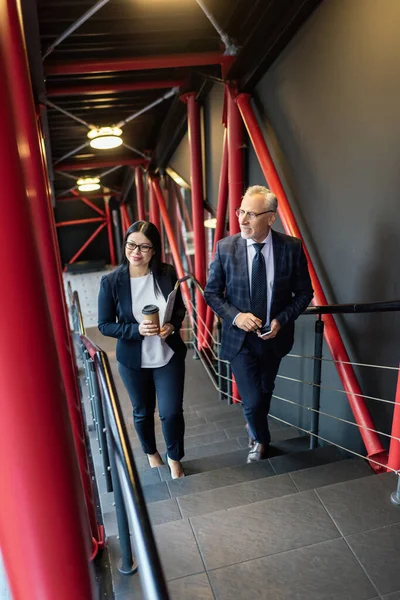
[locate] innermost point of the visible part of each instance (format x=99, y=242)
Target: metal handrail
x=77, y=305
x=152, y=577
x=151, y=573
x=359, y=308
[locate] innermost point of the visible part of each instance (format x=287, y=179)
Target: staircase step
x=220, y=413
x=208, y=463
x=288, y=463
x=289, y=445
x=211, y=480
x=236, y=495
x=328, y=474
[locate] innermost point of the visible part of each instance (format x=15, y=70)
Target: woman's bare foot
x=155, y=460
x=176, y=468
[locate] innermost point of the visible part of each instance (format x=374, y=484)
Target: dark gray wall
x=332, y=101
x=180, y=161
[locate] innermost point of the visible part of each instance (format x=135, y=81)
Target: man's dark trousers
x=255, y=368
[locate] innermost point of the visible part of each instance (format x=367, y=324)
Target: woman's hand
x=166, y=330
x=147, y=327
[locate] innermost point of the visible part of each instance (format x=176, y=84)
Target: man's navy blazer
x=116, y=318
x=228, y=290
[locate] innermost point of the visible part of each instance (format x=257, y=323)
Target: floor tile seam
x=199, y=550
x=348, y=535
x=238, y=505
x=252, y=504
x=315, y=492
x=293, y=481
x=242, y=562
x=361, y=566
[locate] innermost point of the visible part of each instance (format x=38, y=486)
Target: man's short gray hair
x=261, y=190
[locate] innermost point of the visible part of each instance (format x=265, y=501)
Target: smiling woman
x=151, y=359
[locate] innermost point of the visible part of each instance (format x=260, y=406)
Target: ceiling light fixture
x=88, y=184
x=104, y=138
x=210, y=223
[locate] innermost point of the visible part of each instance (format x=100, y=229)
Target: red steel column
x=154, y=210
x=32, y=155
x=196, y=180
x=110, y=233
x=140, y=194
x=41, y=497
x=394, y=451
x=159, y=197
x=235, y=162
x=346, y=373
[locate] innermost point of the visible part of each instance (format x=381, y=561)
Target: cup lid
x=150, y=309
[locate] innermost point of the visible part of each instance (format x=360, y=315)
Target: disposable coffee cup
x=151, y=312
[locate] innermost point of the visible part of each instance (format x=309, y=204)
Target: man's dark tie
x=259, y=284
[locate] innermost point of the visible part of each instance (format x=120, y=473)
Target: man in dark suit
x=258, y=282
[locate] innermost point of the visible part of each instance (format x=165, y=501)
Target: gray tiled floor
x=361, y=504
x=325, y=571
x=378, y=551
x=271, y=526
x=329, y=533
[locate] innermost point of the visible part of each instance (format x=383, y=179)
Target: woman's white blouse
x=155, y=352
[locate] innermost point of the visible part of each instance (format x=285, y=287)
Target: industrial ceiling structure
x=127, y=63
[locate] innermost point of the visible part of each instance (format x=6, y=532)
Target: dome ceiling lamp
x=88, y=184
x=105, y=138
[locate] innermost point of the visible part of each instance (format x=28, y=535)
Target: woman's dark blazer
x=116, y=318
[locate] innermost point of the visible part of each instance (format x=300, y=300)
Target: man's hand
x=248, y=322
x=166, y=330
x=147, y=327
x=275, y=327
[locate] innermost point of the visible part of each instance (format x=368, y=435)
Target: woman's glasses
x=143, y=248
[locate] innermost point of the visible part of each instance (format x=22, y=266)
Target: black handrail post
x=195, y=328
x=86, y=360
x=127, y=565
x=101, y=428
x=316, y=392
x=219, y=364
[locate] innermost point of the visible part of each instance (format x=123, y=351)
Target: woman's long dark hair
x=153, y=235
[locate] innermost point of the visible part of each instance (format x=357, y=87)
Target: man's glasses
x=250, y=215
x=143, y=248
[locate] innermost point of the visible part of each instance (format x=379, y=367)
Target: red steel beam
x=86, y=201
x=140, y=63
x=155, y=183
x=86, y=244
x=154, y=210
x=81, y=221
x=346, y=373
x=124, y=218
x=196, y=179
x=140, y=196
x=112, y=88
x=110, y=234
x=100, y=164
x=41, y=501
x=30, y=138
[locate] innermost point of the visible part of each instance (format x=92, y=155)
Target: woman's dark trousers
x=168, y=383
